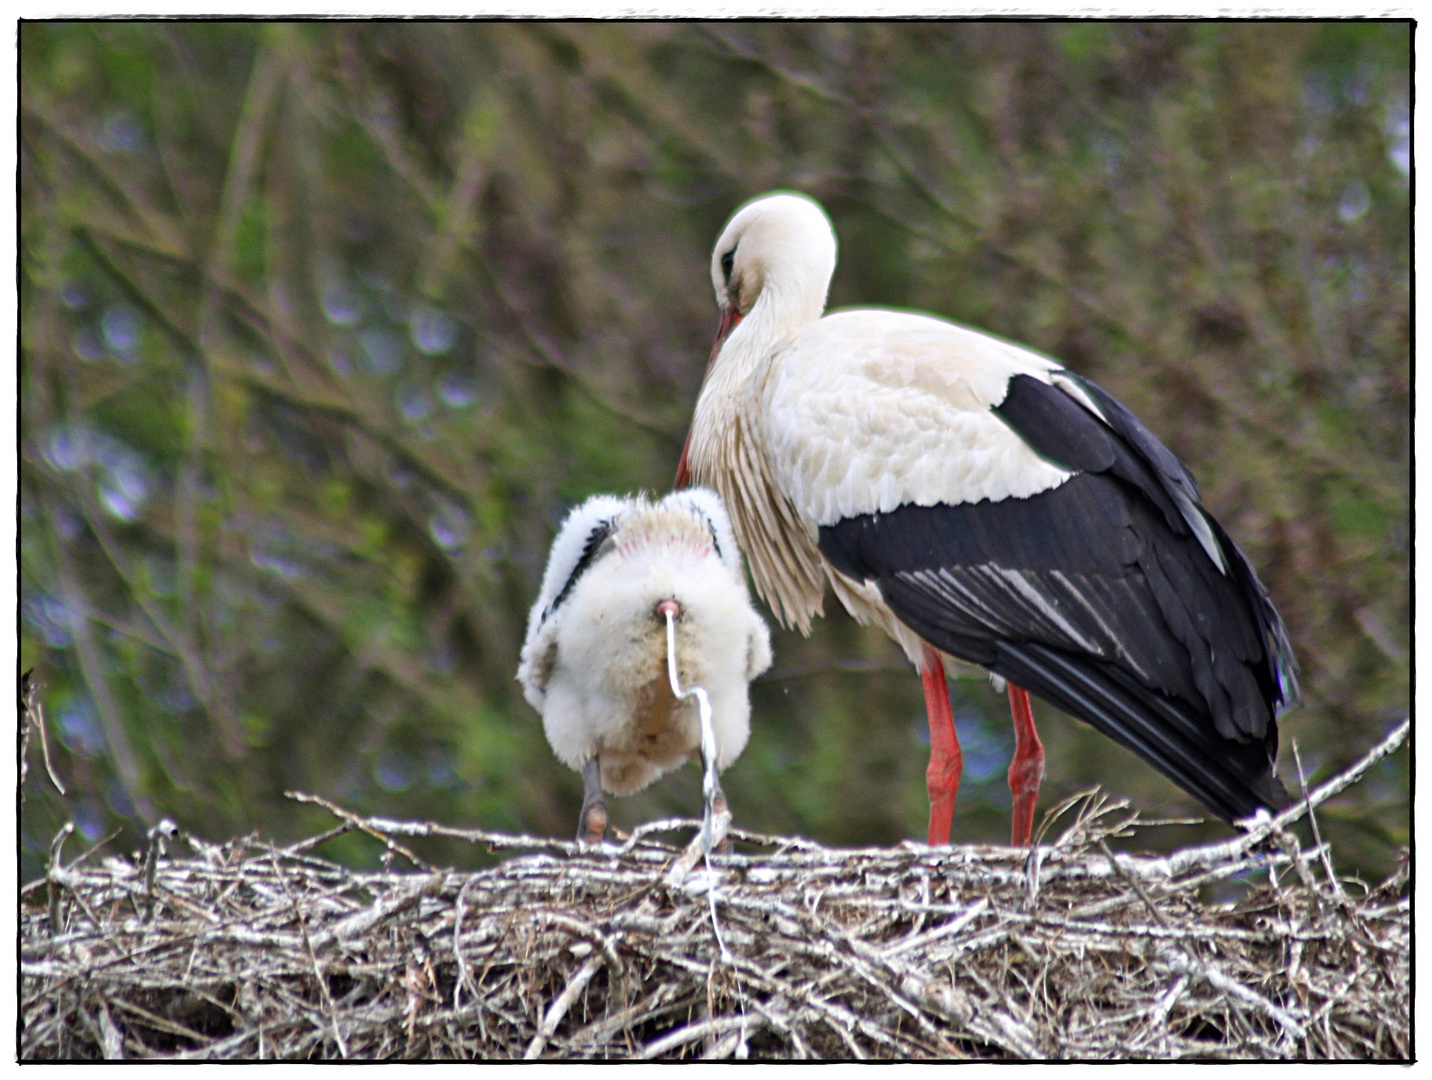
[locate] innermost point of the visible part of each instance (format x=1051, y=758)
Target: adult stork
x=976, y=499
x=595, y=660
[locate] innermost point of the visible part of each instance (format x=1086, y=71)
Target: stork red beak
x=730, y=317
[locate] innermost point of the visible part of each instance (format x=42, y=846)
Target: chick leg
x=719, y=806
x=715, y=807
x=592, y=821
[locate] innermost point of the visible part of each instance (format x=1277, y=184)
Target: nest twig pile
x=785, y=949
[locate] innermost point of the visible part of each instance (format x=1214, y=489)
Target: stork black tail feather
x=1232, y=778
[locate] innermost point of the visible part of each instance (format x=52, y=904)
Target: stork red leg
x=942, y=776
x=1026, y=769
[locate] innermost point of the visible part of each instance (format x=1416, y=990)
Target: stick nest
x=249, y=950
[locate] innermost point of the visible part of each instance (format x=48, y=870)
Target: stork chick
x=595, y=660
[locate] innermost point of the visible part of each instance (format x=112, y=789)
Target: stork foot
x=1024, y=778
x=592, y=821
x=719, y=806
x=942, y=782
x=947, y=762
x=1026, y=770
x=592, y=825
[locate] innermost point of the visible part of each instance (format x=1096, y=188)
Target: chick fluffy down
x=594, y=663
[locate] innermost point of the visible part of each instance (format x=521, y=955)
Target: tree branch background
x=324, y=327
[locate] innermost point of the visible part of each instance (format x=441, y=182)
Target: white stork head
x=771, y=269
x=779, y=249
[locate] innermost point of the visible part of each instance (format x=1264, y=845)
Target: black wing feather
x=591, y=551
x=1099, y=595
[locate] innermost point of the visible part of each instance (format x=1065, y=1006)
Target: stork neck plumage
x=726, y=434
x=791, y=297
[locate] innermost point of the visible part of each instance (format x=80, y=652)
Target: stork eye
x=727, y=261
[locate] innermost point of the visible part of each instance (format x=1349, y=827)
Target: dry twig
x=253, y=950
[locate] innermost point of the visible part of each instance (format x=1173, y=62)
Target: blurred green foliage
x=325, y=325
